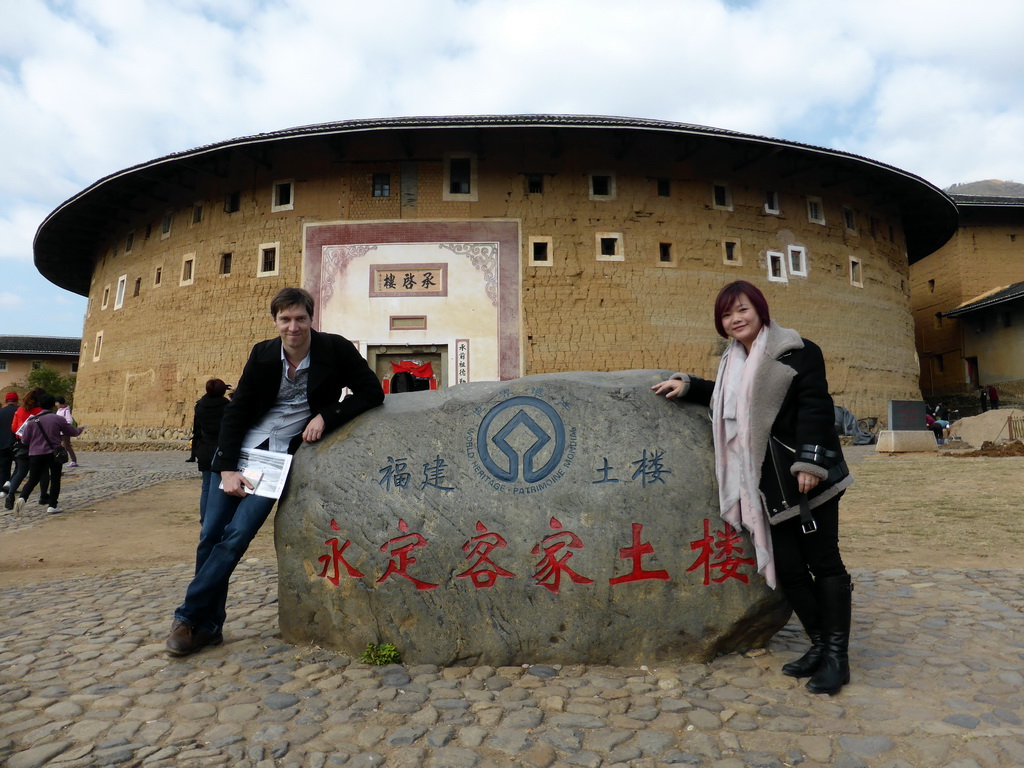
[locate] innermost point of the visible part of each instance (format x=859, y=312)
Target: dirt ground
x=903, y=511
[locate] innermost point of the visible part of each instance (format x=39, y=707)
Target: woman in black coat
x=780, y=470
x=206, y=427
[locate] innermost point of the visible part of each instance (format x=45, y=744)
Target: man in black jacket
x=289, y=393
x=7, y=441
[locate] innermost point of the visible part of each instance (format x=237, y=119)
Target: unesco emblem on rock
x=521, y=446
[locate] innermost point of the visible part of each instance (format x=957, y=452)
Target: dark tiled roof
x=40, y=345
x=988, y=200
x=66, y=240
x=986, y=300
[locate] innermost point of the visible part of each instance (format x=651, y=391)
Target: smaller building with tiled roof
x=19, y=355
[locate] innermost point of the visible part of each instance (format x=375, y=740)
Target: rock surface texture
x=559, y=518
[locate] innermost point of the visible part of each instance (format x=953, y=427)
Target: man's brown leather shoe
x=184, y=639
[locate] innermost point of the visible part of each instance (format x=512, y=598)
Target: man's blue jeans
x=230, y=524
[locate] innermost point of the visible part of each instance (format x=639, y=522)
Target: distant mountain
x=989, y=188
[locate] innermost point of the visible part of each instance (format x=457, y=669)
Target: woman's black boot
x=805, y=606
x=835, y=608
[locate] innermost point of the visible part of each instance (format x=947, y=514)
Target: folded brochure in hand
x=266, y=471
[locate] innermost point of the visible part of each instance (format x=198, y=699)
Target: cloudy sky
x=90, y=87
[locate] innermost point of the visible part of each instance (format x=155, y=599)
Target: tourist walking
x=208, y=413
x=43, y=435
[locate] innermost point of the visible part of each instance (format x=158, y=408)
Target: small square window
x=665, y=254
x=165, y=225
x=664, y=188
x=74, y=367
x=232, y=202
x=731, y=252
x=797, y=260
x=602, y=186
x=137, y=288
x=225, y=263
x=856, y=272
x=931, y=286
x=771, y=202
x=815, y=210
x=776, y=267
x=37, y=365
x=106, y=298
x=188, y=264
x=609, y=246
x=535, y=183
x=459, y=177
x=382, y=185
x=129, y=242
x=197, y=213
x=97, y=347
x=721, y=197
x=849, y=219
x=3, y=365
x=158, y=275
x=283, y=197
x=540, y=251
x=122, y=283
x=268, y=260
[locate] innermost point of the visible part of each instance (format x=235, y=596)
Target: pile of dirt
x=990, y=449
x=990, y=426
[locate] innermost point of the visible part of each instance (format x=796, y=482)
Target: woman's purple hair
x=730, y=293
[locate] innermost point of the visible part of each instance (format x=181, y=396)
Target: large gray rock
x=554, y=518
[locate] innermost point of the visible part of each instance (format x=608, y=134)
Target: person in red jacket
x=29, y=407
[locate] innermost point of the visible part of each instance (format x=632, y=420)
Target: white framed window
x=3, y=365
x=849, y=219
x=609, y=246
x=283, y=196
x=165, y=224
x=731, y=253
x=666, y=254
x=106, y=297
x=129, y=242
x=122, y=283
x=815, y=210
x=771, y=202
x=602, y=185
x=97, y=346
x=797, y=261
x=721, y=196
x=776, y=267
x=188, y=269
x=459, y=177
x=158, y=275
x=856, y=272
x=269, y=260
x=540, y=253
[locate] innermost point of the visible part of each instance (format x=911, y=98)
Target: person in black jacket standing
x=771, y=388
x=289, y=393
x=7, y=441
x=209, y=412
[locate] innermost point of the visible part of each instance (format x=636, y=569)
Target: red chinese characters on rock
x=551, y=567
x=719, y=553
x=401, y=558
x=635, y=553
x=484, y=572
x=726, y=560
x=336, y=558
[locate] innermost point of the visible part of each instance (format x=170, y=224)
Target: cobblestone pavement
x=937, y=661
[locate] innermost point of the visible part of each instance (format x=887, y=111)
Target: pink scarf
x=738, y=494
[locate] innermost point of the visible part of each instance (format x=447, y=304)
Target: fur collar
x=771, y=385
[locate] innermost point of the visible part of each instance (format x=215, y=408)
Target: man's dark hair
x=292, y=297
x=216, y=388
x=47, y=401
x=60, y=399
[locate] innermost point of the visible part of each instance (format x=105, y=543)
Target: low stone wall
x=558, y=518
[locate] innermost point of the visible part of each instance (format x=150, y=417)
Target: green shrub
x=380, y=655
